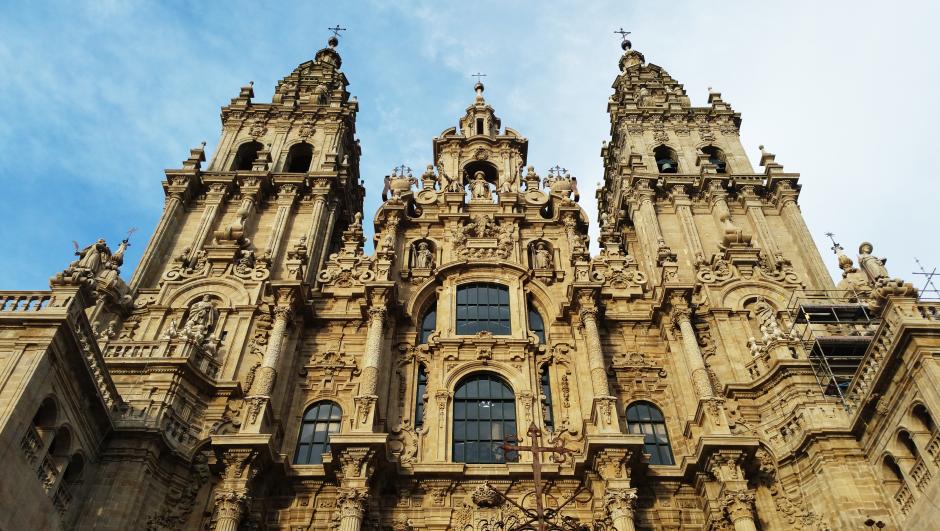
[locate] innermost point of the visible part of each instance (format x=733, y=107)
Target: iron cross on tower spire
x=336, y=29
x=478, y=76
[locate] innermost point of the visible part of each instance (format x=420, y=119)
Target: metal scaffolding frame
x=835, y=327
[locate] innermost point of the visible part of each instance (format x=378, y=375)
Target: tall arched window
x=320, y=420
x=428, y=323
x=246, y=155
x=536, y=324
x=420, y=390
x=890, y=470
x=923, y=417
x=299, y=158
x=546, y=384
x=904, y=438
x=484, y=417
x=666, y=160
x=716, y=157
x=483, y=307
x=645, y=418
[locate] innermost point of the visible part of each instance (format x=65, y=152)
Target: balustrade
x=25, y=301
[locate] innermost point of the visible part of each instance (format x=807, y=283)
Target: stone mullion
x=174, y=202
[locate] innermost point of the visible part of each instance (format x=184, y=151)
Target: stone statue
x=479, y=188
x=202, y=318
x=424, y=258
x=93, y=257
x=542, y=257
x=873, y=266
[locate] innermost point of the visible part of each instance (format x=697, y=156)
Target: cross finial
x=623, y=34
x=336, y=29
x=478, y=76
x=835, y=245
x=557, y=171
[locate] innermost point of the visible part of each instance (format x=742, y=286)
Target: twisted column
x=682, y=319
x=264, y=377
x=372, y=357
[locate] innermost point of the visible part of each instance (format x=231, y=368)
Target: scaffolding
x=835, y=328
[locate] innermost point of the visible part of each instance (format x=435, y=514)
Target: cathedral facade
x=482, y=368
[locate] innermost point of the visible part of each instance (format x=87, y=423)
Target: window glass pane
x=313, y=440
x=643, y=417
x=484, y=416
x=483, y=307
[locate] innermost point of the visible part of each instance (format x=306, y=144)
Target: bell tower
x=680, y=192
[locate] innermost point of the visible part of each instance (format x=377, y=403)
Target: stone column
x=682, y=319
x=263, y=384
x=682, y=202
x=231, y=497
x=214, y=198
x=621, y=506
x=373, y=353
x=174, y=202
x=739, y=506
x=318, y=238
x=286, y=194
x=766, y=240
x=595, y=354
x=816, y=269
x=352, y=506
x=648, y=223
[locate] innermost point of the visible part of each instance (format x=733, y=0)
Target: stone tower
x=261, y=370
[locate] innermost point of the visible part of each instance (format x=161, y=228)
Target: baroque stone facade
x=260, y=370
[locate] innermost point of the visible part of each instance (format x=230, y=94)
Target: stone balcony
x=164, y=351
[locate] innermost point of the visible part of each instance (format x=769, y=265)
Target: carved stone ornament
x=486, y=496
x=482, y=238
x=349, y=266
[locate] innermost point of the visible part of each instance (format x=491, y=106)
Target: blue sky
x=97, y=98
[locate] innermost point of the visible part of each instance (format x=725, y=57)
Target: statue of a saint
x=542, y=257
x=93, y=257
x=873, y=266
x=479, y=188
x=202, y=318
x=424, y=258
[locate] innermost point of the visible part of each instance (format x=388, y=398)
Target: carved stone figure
x=93, y=257
x=202, y=318
x=424, y=257
x=873, y=266
x=479, y=188
x=542, y=257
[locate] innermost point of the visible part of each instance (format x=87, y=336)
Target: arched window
x=546, y=384
x=420, y=390
x=428, y=322
x=536, y=324
x=890, y=470
x=483, y=307
x=484, y=417
x=73, y=471
x=299, y=158
x=905, y=439
x=645, y=418
x=320, y=420
x=923, y=417
x=246, y=155
x=666, y=160
x=716, y=157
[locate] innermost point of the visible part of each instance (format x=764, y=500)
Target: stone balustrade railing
x=897, y=313
x=933, y=447
x=26, y=301
x=62, y=499
x=31, y=444
x=920, y=474
x=199, y=357
x=904, y=498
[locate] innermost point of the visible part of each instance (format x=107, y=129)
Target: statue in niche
x=541, y=256
x=203, y=316
x=479, y=188
x=873, y=266
x=424, y=256
x=767, y=320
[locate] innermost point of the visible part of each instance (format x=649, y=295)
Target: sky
x=98, y=98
